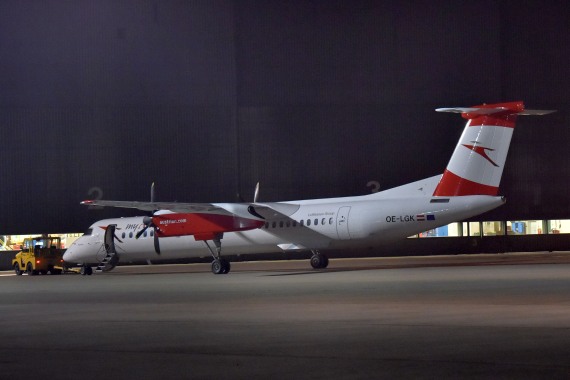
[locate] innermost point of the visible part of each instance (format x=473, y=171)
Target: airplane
x=469, y=186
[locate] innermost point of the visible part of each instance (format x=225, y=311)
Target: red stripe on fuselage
x=452, y=185
x=202, y=226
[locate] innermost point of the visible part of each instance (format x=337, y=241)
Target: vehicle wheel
x=30, y=270
x=17, y=269
x=217, y=267
x=86, y=271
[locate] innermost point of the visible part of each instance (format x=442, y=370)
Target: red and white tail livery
x=477, y=163
x=468, y=187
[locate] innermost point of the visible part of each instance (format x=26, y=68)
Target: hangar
x=313, y=99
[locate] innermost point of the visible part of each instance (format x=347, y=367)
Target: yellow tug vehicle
x=39, y=255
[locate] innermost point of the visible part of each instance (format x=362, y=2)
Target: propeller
x=255, y=195
x=148, y=222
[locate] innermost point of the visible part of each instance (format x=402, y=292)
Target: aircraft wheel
x=86, y=271
x=17, y=269
x=325, y=261
x=217, y=267
x=226, y=266
x=319, y=261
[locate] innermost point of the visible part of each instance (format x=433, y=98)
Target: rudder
x=476, y=166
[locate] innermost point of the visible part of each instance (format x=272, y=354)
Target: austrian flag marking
x=425, y=217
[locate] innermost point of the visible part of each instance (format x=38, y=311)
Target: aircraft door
x=110, y=239
x=342, y=223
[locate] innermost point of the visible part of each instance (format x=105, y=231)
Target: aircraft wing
x=262, y=211
x=207, y=208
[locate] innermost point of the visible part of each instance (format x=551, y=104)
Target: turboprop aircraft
x=469, y=186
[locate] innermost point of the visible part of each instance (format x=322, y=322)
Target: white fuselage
x=334, y=223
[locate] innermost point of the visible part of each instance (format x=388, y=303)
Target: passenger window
x=144, y=234
x=130, y=234
x=323, y=221
x=294, y=223
x=316, y=222
x=124, y=234
x=274, y=224
x=151, y=233
x=281, y=224
x=288, y=224
x=266, y=224
x=330, y=220
x=308, y=222
x=301, y=222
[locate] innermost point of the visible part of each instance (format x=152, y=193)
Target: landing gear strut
x=319, y=260
x=219, y=265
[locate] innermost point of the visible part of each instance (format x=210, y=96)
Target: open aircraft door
x=111, y=257
x=342, y=223
x=110, y=239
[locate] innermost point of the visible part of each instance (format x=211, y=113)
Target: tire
x=30, y=270
x=316, y=261
x=17, y=269
x=325, y=262
x=217, y=267
x=319, y=261
x=226, y=266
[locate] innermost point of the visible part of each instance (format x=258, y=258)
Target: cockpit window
x=88, y=232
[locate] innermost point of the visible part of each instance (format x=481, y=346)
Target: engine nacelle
x=202, y=226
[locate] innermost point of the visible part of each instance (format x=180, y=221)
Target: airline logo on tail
x=481, y=150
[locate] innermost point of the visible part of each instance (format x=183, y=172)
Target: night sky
x=312, y=98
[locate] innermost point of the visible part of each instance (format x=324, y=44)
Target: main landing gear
x=319, y=260
x=219, y=265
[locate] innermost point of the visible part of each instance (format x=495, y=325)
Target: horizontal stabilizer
x=490, y=111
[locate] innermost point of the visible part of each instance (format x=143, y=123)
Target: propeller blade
x=156, y=243
x=256, y=193
x=147, y=221
x=138, y=235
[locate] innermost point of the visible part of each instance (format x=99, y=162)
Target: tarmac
x=466, y=316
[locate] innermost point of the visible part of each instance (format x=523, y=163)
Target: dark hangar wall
x=312, y=98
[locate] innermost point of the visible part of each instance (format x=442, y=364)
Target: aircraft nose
x=71, y=255
x=68, y=255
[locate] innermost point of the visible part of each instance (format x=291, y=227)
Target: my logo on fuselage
x=481, y=150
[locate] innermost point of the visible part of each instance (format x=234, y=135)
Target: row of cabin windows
x=145, y=234
x=281, y=224
x=301, y=223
